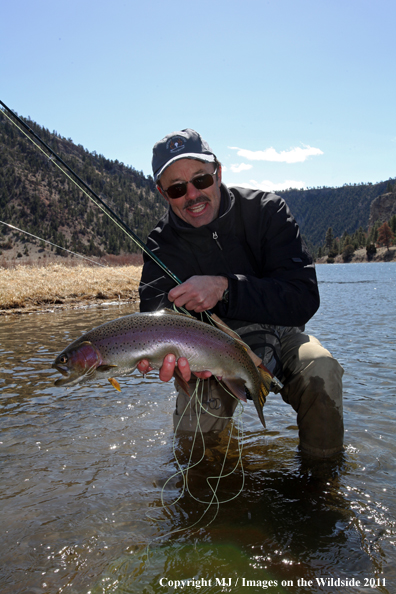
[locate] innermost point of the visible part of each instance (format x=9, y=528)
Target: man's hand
x=199, y=293
x=168, y=368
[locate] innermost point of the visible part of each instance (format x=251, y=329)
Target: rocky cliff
x=382, y=208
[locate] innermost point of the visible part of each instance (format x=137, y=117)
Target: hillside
x=344, y=209
x=36, y=197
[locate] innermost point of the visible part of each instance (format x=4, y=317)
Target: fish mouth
x=67, y=378
x=71, y=377
x=64, y=371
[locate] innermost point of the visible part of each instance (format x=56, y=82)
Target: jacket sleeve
x=285, y=291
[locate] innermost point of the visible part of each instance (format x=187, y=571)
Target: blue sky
x=287, y=93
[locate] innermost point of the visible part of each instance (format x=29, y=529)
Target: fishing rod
x=99, y=202
x=118, y=221
x=53, y=244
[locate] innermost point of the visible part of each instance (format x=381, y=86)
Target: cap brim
x=197, y=156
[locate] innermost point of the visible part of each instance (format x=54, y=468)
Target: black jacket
x=255, y=242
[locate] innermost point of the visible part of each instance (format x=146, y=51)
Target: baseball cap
x=185, y=144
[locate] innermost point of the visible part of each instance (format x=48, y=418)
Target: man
x=239, y=253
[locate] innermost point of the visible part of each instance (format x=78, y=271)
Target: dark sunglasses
x=201, y=182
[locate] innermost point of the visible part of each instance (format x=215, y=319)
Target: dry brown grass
x=29, y=288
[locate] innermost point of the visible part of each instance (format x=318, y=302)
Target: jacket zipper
x=216, y=238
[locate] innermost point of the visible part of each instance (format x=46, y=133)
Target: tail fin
x=265, y=385
x=260, y=404
x=266, y=380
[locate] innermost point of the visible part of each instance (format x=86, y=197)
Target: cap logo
x=175, y=144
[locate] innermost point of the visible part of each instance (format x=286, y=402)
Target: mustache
x=200, y=200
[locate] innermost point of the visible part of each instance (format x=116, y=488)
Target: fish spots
x=127, y=340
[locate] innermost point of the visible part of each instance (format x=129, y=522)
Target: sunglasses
x=201, y=182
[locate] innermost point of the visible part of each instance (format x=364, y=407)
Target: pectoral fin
x=236, y=387
x=105, y=367
x=115, y=384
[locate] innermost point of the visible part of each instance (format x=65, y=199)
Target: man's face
x=196, y=207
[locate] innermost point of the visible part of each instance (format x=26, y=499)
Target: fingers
x=203, y=374
x=144, y=366
x=168, y=368
x=199, y=293
x=184, y=368
x=191, y=296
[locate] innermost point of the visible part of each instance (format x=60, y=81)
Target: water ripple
x=83, y=470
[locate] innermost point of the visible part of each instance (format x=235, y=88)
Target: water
x=83, y=470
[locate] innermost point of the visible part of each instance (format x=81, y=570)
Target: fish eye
x=63, y=359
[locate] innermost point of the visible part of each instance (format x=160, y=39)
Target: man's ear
x=219, y=173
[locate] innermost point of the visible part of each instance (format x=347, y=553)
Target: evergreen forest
x=37, y=197
x=344, y=209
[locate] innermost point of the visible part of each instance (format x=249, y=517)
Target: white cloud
x=294, y=155
x=268, y=186
x=237, y=168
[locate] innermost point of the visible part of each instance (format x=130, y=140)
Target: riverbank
x=31, y=288
x=382, y=255
x=27, y=289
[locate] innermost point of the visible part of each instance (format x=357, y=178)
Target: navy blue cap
x=185, y=144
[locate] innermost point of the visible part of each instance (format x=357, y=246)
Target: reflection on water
x=83, y=469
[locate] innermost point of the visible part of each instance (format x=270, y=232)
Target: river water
x=91, y=501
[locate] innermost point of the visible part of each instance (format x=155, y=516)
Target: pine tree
x=371, y=250
x=373, y=232
x=334, y=250
x=392, y=224
x=329, y=238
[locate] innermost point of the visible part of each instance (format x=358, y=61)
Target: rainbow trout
x=115, y=348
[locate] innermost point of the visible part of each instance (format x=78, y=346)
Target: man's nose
x=192, y=191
